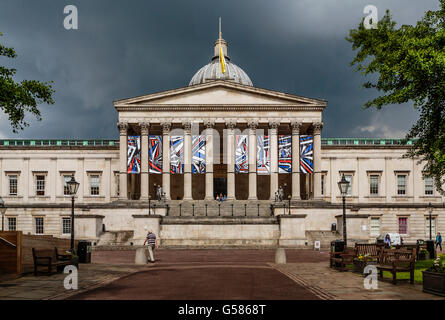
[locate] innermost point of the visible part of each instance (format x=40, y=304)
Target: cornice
x=222, y=84
x=220, y=107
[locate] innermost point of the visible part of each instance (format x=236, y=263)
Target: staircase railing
x=7, y=242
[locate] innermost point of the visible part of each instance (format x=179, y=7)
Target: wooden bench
x=51, y=258
x=397, y=260
x=370, y=251
x=341, y=259
x=418, y=247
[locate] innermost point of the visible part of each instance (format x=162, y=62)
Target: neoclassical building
x=218, y=136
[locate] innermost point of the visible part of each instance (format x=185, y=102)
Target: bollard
x=141, y=256
x=280, y=255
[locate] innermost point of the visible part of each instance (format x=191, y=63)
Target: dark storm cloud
x=129, y=48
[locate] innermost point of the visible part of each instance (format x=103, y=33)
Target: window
x=94, y=185
x=401, y=184
x=429, y=185
x=433, y=226
x=13, y=184
x=374, y=185
x=12, y=224
x=40, y=185
x=38, y=225
x=348, y=177
x=375, y=226
x=403, y=225
x=66, y=225
x=66, y=190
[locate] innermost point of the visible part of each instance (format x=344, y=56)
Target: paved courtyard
x=209, y=274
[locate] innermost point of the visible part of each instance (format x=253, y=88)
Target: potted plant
x=423, y=254
x=434, y=278
x=361, y=261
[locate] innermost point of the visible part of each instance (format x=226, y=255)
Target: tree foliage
x=410, y=64
x=17, y=98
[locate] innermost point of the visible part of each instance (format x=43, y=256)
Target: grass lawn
x=420, y=266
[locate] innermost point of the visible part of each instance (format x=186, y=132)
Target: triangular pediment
x=219, y=92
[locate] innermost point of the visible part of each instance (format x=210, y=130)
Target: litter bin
x=337, y=246
x=334, y=227
x=431, y=249
x=84, y=251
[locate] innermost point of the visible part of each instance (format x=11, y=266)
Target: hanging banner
x=306, y=154
x=155, y=154
x=241, y=159
x=198, y=154
x=134, y=155
x=176, y=154
x=263, y=155
x=284, y=154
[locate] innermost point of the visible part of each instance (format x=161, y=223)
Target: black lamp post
x=289, y=197
x=343, y=185
x=430, y=243
x=73, y=185
x=430, y=211
x=149, y=205
x=2, y=211
x=285, y=191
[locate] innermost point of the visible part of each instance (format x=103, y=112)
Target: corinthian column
x=252, y=160
x=123, y=143
x=166, y=159
x=296, y=126
x=144, y=160
x=231, y=160
x=273, y=145
x=187, y=161
x=317, y=159
x=209, y=160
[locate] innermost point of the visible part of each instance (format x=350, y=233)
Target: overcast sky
x=129, y=48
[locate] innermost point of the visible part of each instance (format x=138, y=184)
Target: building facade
x=218, y=137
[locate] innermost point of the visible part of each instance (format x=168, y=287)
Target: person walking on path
x=439, y=241
x=152, y=244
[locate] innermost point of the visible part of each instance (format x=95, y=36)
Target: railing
x=221, y=209
x=55, y=143
x=10, y=243
x=364, y=141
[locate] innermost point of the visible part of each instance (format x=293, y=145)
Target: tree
x=17, y=98
x=410, y=64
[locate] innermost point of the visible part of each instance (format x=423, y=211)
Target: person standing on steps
x=152, y=244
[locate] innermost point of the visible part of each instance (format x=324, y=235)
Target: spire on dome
x=220, y=42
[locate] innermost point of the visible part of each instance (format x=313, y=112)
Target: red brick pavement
x=202, y=283
x=212, y=256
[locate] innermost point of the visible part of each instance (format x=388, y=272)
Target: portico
x=219, y=126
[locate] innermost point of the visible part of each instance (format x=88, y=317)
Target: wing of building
x=259, y=152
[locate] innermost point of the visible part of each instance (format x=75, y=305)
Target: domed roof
x=213, y=71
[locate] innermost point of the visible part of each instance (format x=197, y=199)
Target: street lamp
x=73, y=185
x=343, y=185
x=285, y=191
x=430, y=211
x=289, y=197
x=149, y=204
x=2, y=211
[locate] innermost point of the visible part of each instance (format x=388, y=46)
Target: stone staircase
x=116, y=238
x=213, y=208
x=325, y=237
